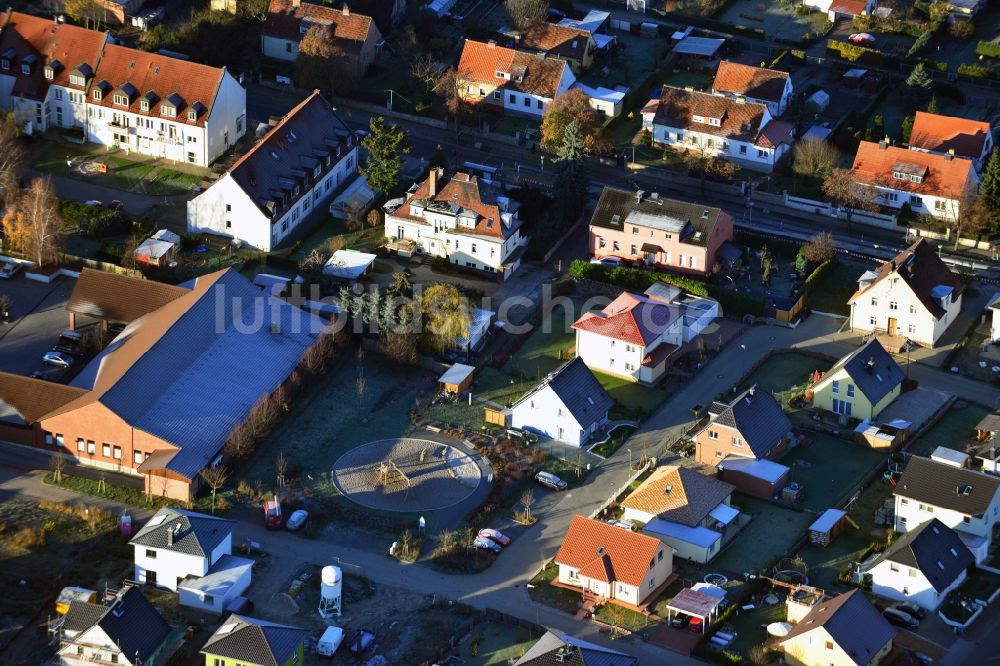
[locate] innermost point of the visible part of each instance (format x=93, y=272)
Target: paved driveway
x=37, y=316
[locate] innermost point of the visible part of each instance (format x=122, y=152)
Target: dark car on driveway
x=900, y=618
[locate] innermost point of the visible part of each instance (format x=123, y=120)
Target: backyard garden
x=779, y=20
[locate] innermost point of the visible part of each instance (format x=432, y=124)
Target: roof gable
x=559, y=40
x=118, y=297
x=758, y=417
x=629, y=555
x=481, y=209
x=871, y=369
x=580, y=392
x=631, y=318
x=919, y=267
x=248, y=639
x=852, y=622
x=25, y=400
x=286, y=20
x=710, y=114
x=933, y=548
x=130, y=622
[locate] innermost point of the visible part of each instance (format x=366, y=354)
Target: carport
x=696, y=604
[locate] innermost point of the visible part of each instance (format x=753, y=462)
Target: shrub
x=988, y=49
x=29, y=537
x=633, y=279
x=962, y=29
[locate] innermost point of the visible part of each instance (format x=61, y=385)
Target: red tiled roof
x=284, y=20
x=943, y=133
x=529, y=73
x=556, y=39
x=738, y=119
x=606, y=552
x=62, y=45
x=158, y=79
x=849, y=7
x=630, y=318
x=776, y=133
x=874, y=165
x=464, y=191
x=756, y=82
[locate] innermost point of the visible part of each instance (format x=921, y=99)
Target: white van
x=330, y=641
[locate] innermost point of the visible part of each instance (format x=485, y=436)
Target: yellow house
x=844, y=631
x=861, y=384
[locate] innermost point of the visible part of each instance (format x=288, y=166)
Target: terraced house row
x=54, y=75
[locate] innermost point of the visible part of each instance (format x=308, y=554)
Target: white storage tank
x=330, y=587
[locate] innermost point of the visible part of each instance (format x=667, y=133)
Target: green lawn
x=834, y=287
x=625, y=618
x=173, y=181
x=496, y=643
x=490, y=384
x=542, y=592
x=618, y=438
x=637, y=397
x=770, y=536
x=747, y=625
x=784, y=370
x=777, y=19
x=981, y=584
x=829, y=468
x=825, y=563
x=954, y=428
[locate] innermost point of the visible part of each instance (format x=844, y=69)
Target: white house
x=287, y=177
x=912, y=295
x=930, y=183
x=921, y=567
x=993, y=312
x=53, y=75
x=754, y=84
x=685, y=509
x=949, y=135
x=613, y=564
x=228, y=578
x=512, y=82
x=734, y=129
x=461, y=218
x=837, y=9
x=633, y=337
x=962, y=499
x=175, y=544
x=570, y=405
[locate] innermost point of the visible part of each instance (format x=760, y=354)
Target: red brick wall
x=712, y=451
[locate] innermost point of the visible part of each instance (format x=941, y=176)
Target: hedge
x=855, y=53
x=988, y=49
x=977, y=71
x=633, y=279
x=639, y=280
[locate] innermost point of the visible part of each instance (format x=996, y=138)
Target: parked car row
x=491, y=540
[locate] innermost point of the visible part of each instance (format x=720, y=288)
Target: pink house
x=662, y=233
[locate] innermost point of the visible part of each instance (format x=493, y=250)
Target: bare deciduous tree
x=11, y=158
x=281, y=466
x=33, y=223
x=851, y=196
x=814, y=158
x=820, y=248
x=527, y=501
x=524, y=13
x=451, y=86
x=214, y=477
x=57, y=464
x=426, y=69
x=970, y=217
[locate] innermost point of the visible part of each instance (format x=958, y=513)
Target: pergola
x=696, y=604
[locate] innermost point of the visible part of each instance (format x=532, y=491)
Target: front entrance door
x=891, y=326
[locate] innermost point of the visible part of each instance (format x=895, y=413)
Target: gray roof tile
x=252, y=641
x=872, y=370
x=938, y=484
x=935, y=549
x=759, y=419
x=199, y=534
x=853, y=623
x=580, y=392
x=131, y=622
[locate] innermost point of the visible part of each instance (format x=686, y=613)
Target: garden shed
x=457, y=378
x=831, y=523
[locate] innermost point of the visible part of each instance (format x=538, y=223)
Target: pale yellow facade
x=847, y=391
x=817, y=648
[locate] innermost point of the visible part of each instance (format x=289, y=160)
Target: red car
x=116, y=205
x=272, y=514
x=862, y=38
x=695, y=625
x=495, y=536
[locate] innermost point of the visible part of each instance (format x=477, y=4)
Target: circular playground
x=406, y=474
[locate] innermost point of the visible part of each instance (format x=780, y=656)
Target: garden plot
x=771, y=534
x=829, y=469
x=778, y=20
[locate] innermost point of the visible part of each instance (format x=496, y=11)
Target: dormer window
x=98, y=94
x=119, y=99
x=503, y=75
x=49, y=72
x=192, y=115
x=144, y=104
x=77, y=80
x=25, y=68
x=5, y=64
x=168, y=111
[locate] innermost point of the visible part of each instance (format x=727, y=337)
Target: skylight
x=156, y=520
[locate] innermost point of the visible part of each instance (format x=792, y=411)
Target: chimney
x=347, y=10
x=492, y=43
x=170, y=535
x=892, y=265
x=296, y=4
x=950, y=155
x=432, y=182
x=883, y=144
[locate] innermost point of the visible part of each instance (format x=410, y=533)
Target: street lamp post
x=543, y=163
x=630, y=461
